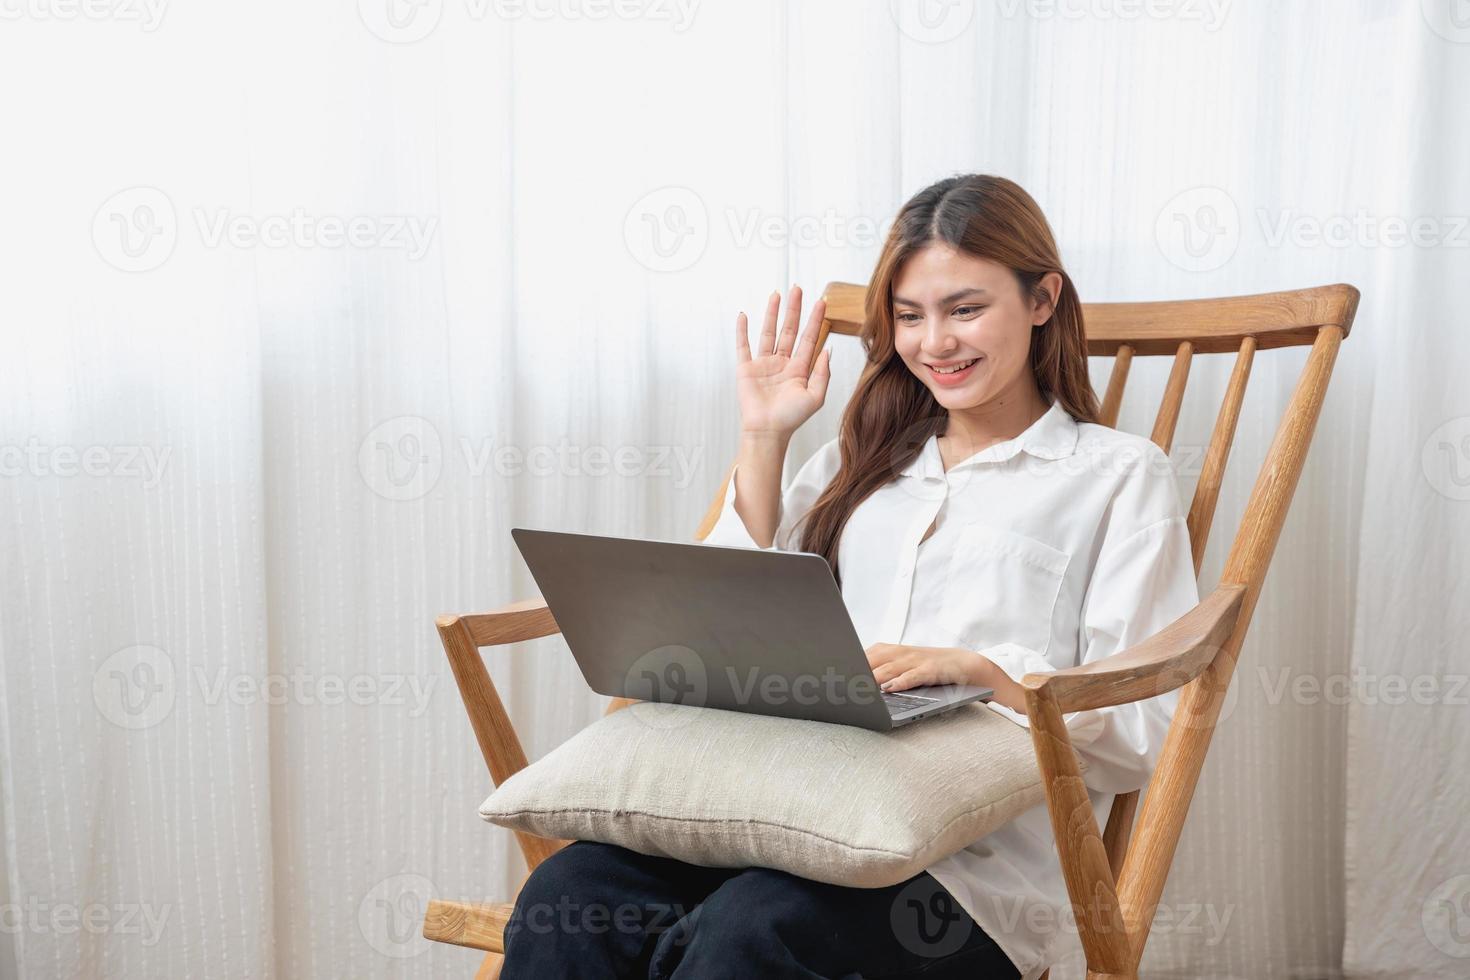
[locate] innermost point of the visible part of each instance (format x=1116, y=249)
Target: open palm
x=779, y=388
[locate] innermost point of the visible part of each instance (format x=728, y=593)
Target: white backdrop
x=305, y=305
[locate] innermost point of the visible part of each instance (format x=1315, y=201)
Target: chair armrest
x=464, y=924
x=528, y=619
x=1171, y=658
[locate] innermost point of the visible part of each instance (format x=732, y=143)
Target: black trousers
x=597, y=910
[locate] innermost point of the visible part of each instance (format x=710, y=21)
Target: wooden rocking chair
x=1115, y=875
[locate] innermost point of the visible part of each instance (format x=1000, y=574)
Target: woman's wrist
x=761, y=459
x=765, y=438
x=1008, y=691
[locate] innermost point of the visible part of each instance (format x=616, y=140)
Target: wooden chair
x=1114, y=875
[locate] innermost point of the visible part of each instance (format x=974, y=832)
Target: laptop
x=739, y=629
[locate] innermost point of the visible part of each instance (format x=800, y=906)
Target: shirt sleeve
x=1142, y=581
x=796, y=500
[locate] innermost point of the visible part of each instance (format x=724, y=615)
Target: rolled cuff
x=1016, y=662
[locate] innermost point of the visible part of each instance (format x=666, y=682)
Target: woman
x=982, y=526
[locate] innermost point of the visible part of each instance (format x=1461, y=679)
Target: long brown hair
x=892, y=413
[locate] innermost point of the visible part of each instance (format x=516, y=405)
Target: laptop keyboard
x=899, y=703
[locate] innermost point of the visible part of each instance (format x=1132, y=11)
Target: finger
x=768, y=326
x=817, y=384
x=906, y=680
x=802, y=359
x=890, y=670
x=787, y=340
x=742, y=339
x=880, y=653
x=897, y=661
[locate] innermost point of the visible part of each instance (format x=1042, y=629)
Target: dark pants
x=597, y=910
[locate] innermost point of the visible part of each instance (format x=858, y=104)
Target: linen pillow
x=828, y=802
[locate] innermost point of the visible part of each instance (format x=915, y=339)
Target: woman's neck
x=1004, y=417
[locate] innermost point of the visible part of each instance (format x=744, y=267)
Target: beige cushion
x=828, y=802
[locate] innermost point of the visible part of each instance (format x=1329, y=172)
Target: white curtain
x=306, y=305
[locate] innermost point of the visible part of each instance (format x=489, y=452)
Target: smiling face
x=963, y=327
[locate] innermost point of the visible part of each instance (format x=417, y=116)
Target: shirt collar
x=1053, y=436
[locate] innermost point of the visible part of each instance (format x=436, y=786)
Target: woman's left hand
x=899, y=667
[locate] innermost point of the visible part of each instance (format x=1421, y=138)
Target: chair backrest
x=1319, y=317
x=1183, y=328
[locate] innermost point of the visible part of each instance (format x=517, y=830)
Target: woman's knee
x=593, y=889
x=759, y=918
x=565, y=885
x=571, y=916
x=762, y=901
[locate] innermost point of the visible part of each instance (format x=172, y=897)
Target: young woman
x=982, y=526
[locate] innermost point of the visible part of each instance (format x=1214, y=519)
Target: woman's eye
x=966, y=312
x=909, y=318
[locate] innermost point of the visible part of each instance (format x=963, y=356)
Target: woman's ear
x=1051, y=285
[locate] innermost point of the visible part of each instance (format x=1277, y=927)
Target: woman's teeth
x=957, y=367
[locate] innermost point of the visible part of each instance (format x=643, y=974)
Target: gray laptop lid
x=706, y=625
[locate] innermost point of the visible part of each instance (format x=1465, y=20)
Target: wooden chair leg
x=490, y=967
x=1120, y=825
x=1080, y=848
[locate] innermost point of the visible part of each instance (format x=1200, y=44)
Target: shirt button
x=905, y=573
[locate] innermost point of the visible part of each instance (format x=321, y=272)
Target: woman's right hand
x=779, y=388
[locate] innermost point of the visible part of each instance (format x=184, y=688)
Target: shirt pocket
x=1002, y=587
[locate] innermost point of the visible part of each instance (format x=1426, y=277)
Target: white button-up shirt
x=1056, y=548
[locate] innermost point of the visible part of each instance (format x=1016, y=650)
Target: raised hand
x=779, y=387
